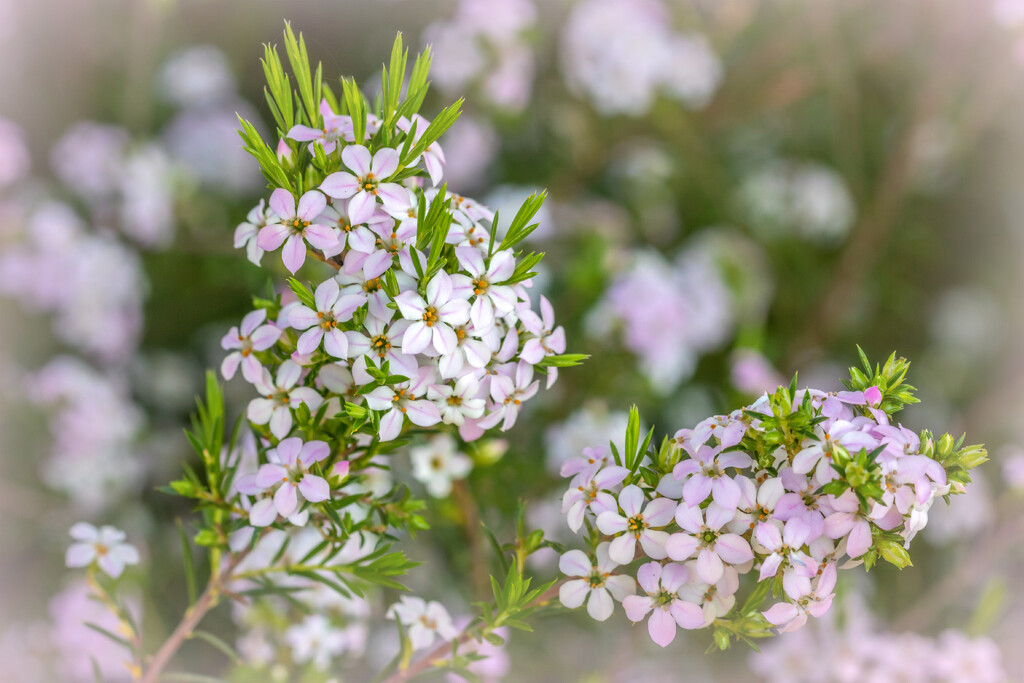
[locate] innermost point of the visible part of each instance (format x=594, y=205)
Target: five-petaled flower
x=104, y=546
x=296, y=226
x=288, y=470
x=597, y=582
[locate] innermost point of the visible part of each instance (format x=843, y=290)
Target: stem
x=193, y=615
x=477, y=552
x=442, y=652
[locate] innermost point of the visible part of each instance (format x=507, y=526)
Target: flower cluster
x=787, y=198
x=427, y=320
x=789, y=489
x=622, y=54
x=670, y=313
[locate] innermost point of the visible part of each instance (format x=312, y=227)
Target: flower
x=296, y=225
x=401, y=400
x=458, y=402
x=243, y=340
x=424, y=621
x=433, y=156
x=491, y=297
x=434, y=317
x=639, y=522
x=335, y=128
x=662, y=602
x=288, y=469
x=280, y=395
x=315, y=639
x=588, y=492
x=322, y=324
x=598, y=586
x=702, y=535
x=437, y=463
x=104, y=546
x=368, y=182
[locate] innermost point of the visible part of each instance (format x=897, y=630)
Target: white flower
x=597, y=582
x=438, y=463
x=104, y=546
x=316, y=640
x=423, y=620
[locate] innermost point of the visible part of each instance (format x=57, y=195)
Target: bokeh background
x=738, y=190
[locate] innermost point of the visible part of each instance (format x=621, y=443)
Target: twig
x=477, y=552
x=193, y=615
x=443, y=651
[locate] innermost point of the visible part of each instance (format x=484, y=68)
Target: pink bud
x=873, y=395
x=340, y=469
x=284, y=152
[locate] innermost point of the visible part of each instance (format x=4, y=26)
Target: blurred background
x=738, y=190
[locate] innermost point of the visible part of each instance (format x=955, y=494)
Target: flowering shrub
x=794, y=487
x=408, y=328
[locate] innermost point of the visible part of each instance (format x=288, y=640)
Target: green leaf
x=190, y=569
x=565, y=360
x=519, y=229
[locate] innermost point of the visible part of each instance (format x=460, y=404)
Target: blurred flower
x=94, y=458
x=104, y=546
x=14, y=156
x=622, y=53
x=424, y=621
x=974, y=512
x=483, y=46
x=591, y=426
x=80, y=648
x=797, y=199
x=147, y=212
x=669, y=312
x=1013, y=467
x=437, y=463
x=472, y=145
x=315, y=639
x=204, y=141
x=752, y=374
x=196, y=75
x=88, y=158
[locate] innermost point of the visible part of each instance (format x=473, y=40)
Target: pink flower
x=588, y=491
x=790, y=616
x=548, y=340
x=335, y=128
x=847, y=521
x=509, y=394
x=243, y=340
x=367, y=183
x=639, y=524
x=288, y=469
x=404, y=400
x=597, y=585
x=491, y=297
x=433, y=156
x=701, y=534
x=662, y=602
x=433, y=317
x=295, y=226
x=322, y=324
x=784, y=549
x=704, y=475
